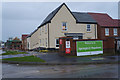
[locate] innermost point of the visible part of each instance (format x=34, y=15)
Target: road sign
x=68, y=49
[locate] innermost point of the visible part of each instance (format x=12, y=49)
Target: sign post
x=68, y=49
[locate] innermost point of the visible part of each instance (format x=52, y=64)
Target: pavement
x=55, y=59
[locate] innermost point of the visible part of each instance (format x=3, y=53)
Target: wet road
x=60, y=71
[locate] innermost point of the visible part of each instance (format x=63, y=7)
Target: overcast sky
x=24, y=17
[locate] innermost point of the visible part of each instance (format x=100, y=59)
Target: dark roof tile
x=83, y=17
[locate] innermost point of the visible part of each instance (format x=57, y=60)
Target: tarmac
x=55, y=59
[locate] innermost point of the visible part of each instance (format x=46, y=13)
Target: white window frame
x=106, y=33
x=56, y=43
x=88, y=29
x=65, y=26
x=115, y=32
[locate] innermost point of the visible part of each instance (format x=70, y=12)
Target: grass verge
x=25, y=59
x=13, y=53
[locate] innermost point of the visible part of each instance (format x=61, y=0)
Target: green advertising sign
x=89, y=47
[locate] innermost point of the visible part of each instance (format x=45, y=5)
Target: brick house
x=14, y=44
x=24, y=41
x=108, y=30
x=62, y=22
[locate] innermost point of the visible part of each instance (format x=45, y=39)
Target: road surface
x=60, y=71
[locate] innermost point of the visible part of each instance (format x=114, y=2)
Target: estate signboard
x=89, y=47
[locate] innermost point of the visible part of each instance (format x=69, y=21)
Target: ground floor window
x=77, y=37
x=46, y=42
x=28, y=45
x=57, y=43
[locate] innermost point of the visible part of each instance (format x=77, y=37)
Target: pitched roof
x=83, y=17
x=117, y=22
x=104, y=20
x=51, y=15
x=80, y=17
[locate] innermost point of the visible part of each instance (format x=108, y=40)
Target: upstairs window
x=88, y=28
x=107, y=31
x=115, y=31
x=42, y=29
x=64, y=26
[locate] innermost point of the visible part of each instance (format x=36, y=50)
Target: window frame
x=40, y=41
x=56, y=44
x=42, y=28
x=28, y=45
x=115, y=31
x=46, y=42
x=88, y=28
x=107, y=33
x=65, y=26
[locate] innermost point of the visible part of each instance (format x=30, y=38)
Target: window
x=57, y=43
x=107, y=31
x=46, y=42
x=75, y=37
x=43, y=29
x=88, y=38
x=88, y=28
x=43, y=42
x=115, y=31
x=40, y=41
x=64, y=26
x=28, y=45
x=46, y=28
